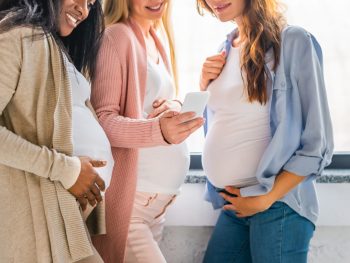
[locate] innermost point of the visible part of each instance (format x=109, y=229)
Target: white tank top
x=161, y=169
x=239, y=132
x=89, y=139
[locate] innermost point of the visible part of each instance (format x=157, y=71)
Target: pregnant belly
x=89, y=139
x=163, y=168
x=231, y=156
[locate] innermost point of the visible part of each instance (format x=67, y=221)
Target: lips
x=156, y=7
x=221, y=7
x=72, y=21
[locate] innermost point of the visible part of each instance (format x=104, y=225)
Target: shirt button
x=283, y=84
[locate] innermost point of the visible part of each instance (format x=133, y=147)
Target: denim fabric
x=278, y=235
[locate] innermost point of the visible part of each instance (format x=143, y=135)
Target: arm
x=248, y=206
x=106, y=98
x=316, y=142
x=15, y=151
x=317, y=136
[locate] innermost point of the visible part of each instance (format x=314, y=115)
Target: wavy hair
x=262, y=25
x=117, y=11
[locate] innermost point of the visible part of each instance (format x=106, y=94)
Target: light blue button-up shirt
x=301, y=128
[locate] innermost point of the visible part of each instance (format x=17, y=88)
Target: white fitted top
x=239, y=132
x=161, y=169
x=89, y=139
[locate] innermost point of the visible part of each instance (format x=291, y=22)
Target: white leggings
x=146, y=227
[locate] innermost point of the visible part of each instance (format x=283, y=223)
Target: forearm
x=18, y=153
x=125, y=132
x=284, y=183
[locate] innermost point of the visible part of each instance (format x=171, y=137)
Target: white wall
x=190, y=209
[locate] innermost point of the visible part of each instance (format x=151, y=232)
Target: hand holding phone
x=195, y=102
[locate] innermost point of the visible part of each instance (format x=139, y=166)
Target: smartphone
x=195, y=102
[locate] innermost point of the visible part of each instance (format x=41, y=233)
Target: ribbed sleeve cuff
x=304, y=165
x=157, y=135
x=69, y=175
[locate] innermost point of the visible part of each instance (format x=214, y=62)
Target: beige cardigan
x=40, y=220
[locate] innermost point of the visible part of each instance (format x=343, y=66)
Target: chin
x=65, y=33
x=224, y=19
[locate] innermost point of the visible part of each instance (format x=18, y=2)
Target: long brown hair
x=262, y=25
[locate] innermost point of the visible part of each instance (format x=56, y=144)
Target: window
x=197, y=37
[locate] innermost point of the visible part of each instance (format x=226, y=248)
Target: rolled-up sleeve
x=316, y=145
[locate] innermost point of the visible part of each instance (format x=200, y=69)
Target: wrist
x=270, y=198
x=163, y=132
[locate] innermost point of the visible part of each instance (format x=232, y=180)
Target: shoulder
x=21, y=32
x=119, y=35
x=298, y=37
x=292, y=31
x=297, y=41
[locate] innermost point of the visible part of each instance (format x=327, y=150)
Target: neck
x=240, y=37
x=144, y=24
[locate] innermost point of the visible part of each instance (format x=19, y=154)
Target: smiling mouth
x=72, y=20
x=155, y=8
x=222, y=7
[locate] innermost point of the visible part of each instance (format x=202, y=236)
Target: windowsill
x=330, y=176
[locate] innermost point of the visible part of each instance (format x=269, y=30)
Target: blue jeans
x=277, y=235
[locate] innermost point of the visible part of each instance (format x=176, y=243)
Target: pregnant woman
x=48, y=134
x=133, y=89
x=270, y=135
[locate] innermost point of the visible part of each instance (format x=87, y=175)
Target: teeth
x=155, y=7
x=222, y=6
x=72, y=18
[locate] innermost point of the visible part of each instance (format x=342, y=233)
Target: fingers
x=158, y=102
x=214, y=65
x=98, y=163
x=91, y=198
x=229, y=207
x=228, y=198
x=83, y=202
x=185, y=117
x=223, y=53
x=164, y=107
x=218, y=57
x=233, y=190
x=234, y=209
x=170, y=114
x=192, y=125
x=100, y=183
x=97, y=193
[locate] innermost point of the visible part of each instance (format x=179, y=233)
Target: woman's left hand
x=245, y=206
x=161, y=105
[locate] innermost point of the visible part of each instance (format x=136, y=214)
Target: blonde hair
x=117, y=11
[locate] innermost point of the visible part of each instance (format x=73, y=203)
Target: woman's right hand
x=89, y=184
x=176, y=127
x=211, y=69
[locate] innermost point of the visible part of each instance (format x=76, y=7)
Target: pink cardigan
x=117, y=95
